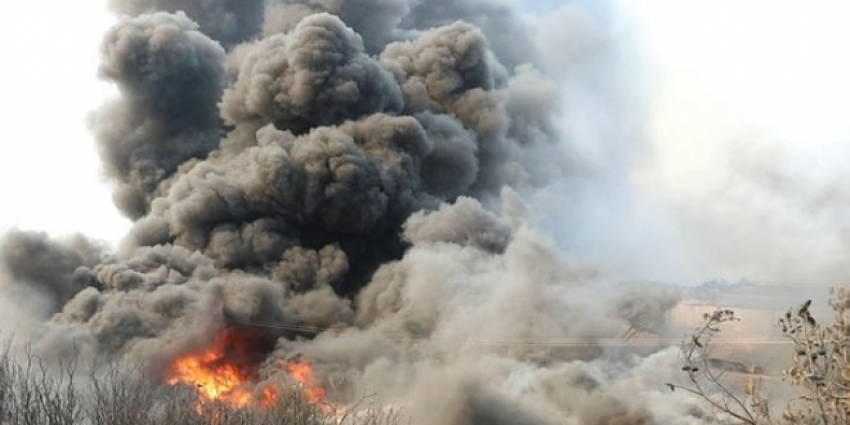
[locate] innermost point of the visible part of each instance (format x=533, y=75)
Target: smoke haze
x=433, y=201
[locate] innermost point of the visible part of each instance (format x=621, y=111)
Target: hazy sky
x=49, y=170
x=773, y=70
x=749, y=135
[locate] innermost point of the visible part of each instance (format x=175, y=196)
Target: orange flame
x=215, y=373
x=302, y=372
x=214, y=380
x=225, y=373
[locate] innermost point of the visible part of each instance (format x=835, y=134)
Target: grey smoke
x=509, y=36
x=375, y=20
x=332, y=183
x=316, y=75
x=464, y=223
x=450, y=70
x=381, y=22
x=53, y=268
x=226, y=21
x=170, y=76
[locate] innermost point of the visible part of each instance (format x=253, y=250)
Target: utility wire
x=545, y=341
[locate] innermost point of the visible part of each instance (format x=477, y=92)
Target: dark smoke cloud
x=381, y=22
x=226, y=21
x=327, y=181
x=316, y=75
x=508, y=36
x=318, y=157
x=54, y=268
x=340, y=190
x=464, y=223
x=376, y=21
x=170, y=77
x=450, y=70
x=449, y=314
x=452, y=166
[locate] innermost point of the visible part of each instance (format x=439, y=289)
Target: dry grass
x=34, y=393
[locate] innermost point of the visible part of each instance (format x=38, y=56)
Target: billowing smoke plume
x=227, y=21
x=170, y=76
x=53, y=269
x=329, y=177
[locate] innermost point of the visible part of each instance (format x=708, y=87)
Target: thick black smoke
x=381, y=22
x=322, y=175
x=226, y=21
x=316, y=75
x=328, y=147
x=376, y=21
x=54, y=268
x=170, y=76
x=507, y=35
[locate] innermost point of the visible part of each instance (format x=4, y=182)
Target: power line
x=543, y=341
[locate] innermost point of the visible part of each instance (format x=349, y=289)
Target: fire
x=213, y=379
x=227, y=373
x=220, y=373
x=302, y=372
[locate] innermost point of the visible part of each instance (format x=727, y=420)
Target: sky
x=749, y=134
x=747, y=115
x=50, y=176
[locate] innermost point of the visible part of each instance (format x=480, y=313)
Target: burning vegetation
x=227, y=373
x=302, y=372
x=219, y=373
x=347, y=172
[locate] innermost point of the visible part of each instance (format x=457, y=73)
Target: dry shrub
x=35, y=393
x=819, y=371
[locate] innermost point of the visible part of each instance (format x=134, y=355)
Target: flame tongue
x=226, y=373
x=214, y=379
x=302, y=372
x=216, y=373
